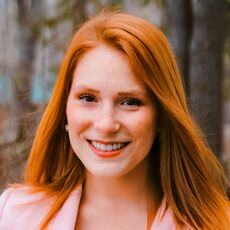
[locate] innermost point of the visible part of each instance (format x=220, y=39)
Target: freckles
x=148, y=117
x=147, y=125
x=80, y=120
x=69, y=109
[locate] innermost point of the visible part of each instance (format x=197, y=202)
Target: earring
x=66, y=128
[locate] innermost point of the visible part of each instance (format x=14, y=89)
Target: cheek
x=76, y=118
x=77, y=124
x=151, y=124
x=144, y=124
x=145, y=129
x=70, y=111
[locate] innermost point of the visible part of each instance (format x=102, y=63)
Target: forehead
x=108, y=65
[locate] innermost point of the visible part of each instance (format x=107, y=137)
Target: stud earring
x=66, y=128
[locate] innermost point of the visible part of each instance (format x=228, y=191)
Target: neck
x=129, y=188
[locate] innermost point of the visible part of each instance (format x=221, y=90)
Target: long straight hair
x=182, y=167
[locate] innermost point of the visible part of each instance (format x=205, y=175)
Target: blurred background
x=34, y=35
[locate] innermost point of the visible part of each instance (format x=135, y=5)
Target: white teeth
x=102, y=147
x=109, y=147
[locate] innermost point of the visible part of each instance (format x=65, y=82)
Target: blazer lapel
x=164, y=219
x=66, y=217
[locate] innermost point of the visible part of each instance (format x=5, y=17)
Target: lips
x=107, y=149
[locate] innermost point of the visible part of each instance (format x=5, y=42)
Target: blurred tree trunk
x=28, y=11
x=180, y=20
x=197, y=33
x=206, y=70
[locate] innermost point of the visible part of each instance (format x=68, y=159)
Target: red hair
x=182, y=168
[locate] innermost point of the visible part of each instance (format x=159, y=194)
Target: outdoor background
x=34, y=35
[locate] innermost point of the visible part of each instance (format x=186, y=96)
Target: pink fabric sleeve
x=19, y=207
x=3, y=200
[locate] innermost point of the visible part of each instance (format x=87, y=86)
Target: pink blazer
x=21, y=210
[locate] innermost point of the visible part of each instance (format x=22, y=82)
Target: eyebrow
x=121, y=93
x=132, y=92
x=84, y=87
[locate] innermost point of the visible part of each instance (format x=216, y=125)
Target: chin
x=107, y=173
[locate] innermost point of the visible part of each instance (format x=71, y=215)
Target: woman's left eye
x=131, y=102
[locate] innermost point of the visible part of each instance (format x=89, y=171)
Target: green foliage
x=66, y=6
x=145, y=2
x=161, y=3
x=227, y=46
x=65, y=12
x=227, y=89
x=36, y=29
x=54, y=68
x=116, y=2
x=227, y=42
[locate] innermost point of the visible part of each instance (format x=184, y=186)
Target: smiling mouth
x=108, y=147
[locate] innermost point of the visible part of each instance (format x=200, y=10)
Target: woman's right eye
x=87, y=98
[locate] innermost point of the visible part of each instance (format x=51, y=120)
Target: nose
x=107, y=121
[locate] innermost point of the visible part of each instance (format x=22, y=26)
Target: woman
x=116, y=147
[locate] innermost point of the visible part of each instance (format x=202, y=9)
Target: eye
x=87, y=98
x=131, y=102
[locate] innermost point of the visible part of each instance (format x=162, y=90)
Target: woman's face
x=112, y=119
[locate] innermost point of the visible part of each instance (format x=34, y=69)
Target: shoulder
x=26, y=210
x=18, y=206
